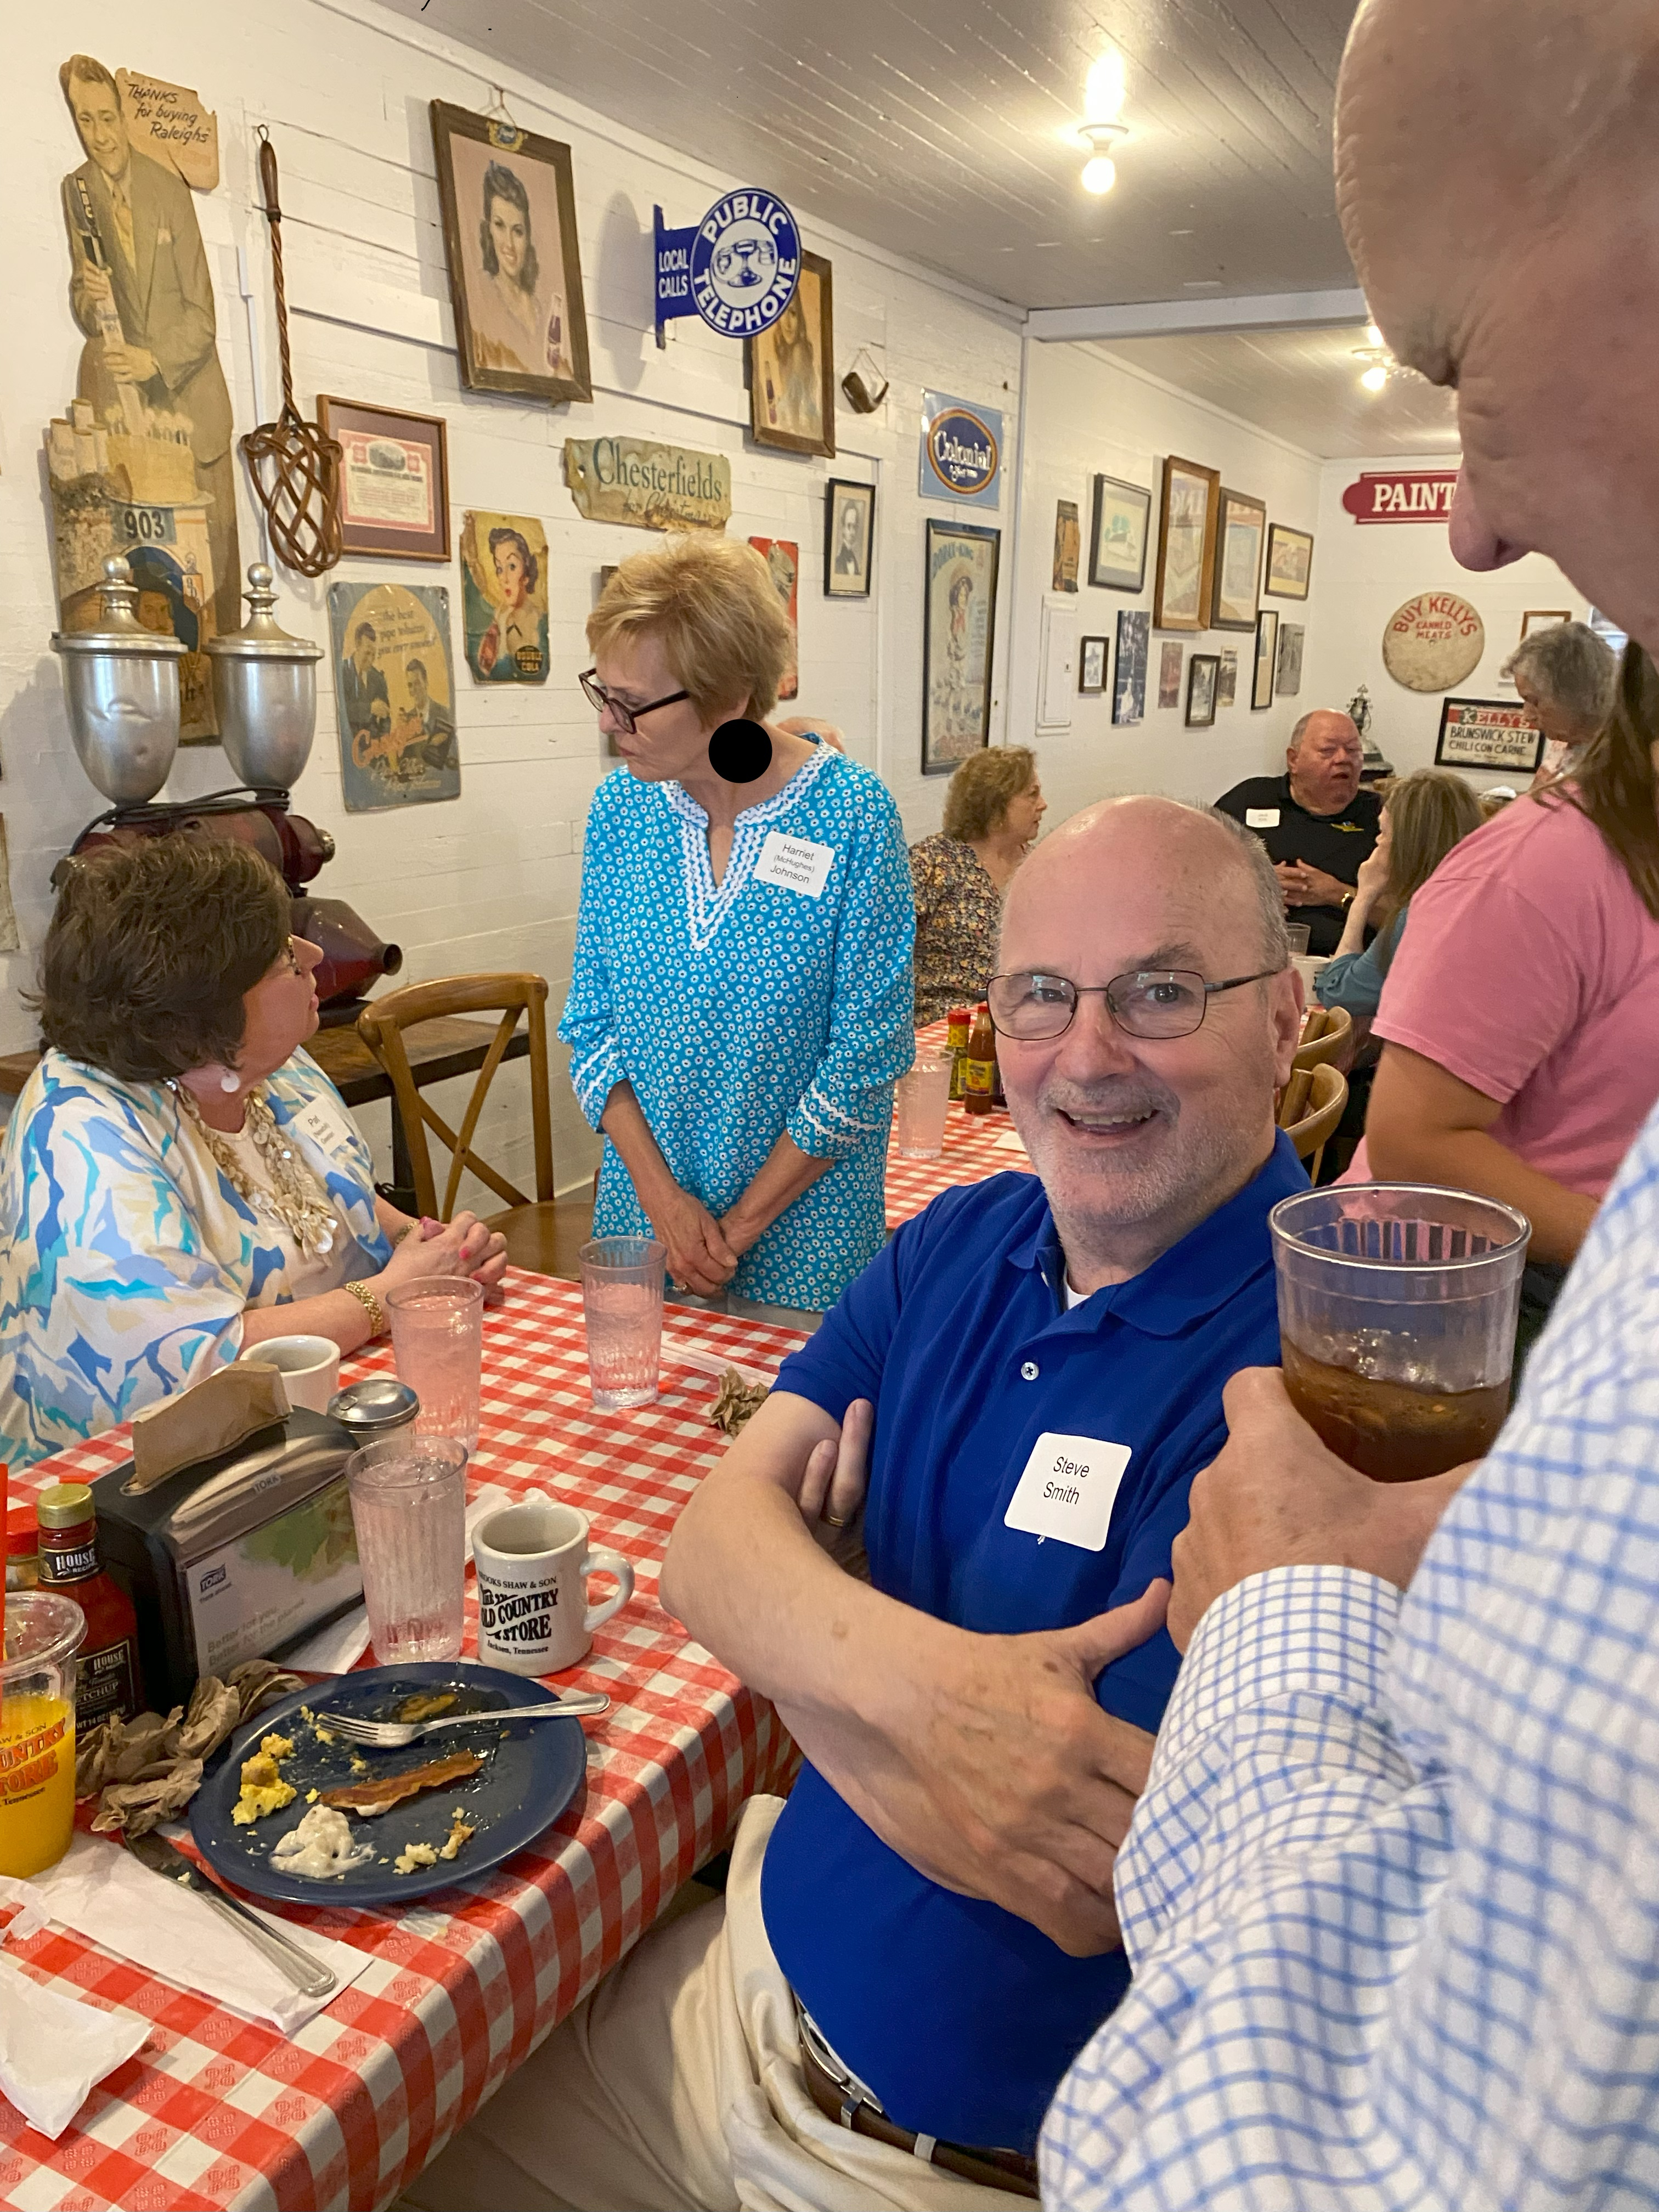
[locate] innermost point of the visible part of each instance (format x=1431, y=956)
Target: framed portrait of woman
x=958, y=643
x=515, y=275
x=504, y=597
x=792, y=368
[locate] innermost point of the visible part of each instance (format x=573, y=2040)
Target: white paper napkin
x=102, y=1892
x=336, y=1648
x=53, y=2048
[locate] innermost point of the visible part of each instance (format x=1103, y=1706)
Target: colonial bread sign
x=961, y=451
x=1433, y=642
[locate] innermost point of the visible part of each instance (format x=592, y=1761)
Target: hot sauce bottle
x=108, y=1684
x=958, y=1021
x=979, y=1073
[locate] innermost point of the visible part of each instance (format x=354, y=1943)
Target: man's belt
x=842, y=2097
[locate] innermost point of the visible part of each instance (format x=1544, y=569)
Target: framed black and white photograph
x=1488, y=733
x=792, y=368
x=1266, y=649
x=1202, y=670
x=1129, y=687
x=1287, y=673
x=849, y=538
x=1118, y=532
x=1091, y=654
x=1289, y=562
x=958, y=640
x=515, y=275
x=1241, y=538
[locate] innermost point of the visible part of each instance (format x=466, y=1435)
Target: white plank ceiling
x=943, y=129
x=1303, y=386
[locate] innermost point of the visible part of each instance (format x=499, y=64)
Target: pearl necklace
x=293, y=1196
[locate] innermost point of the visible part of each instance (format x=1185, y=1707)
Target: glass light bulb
x=1099, y=175
x=1375, y=379
x=1373, y=335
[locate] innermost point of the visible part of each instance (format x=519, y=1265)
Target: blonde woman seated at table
x=179, y=1180
x=1423, y=816
x=992, y=808
x=1567, y=676
x=739, y=1004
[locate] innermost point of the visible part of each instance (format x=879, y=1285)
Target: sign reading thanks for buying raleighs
x=1401, y=495
x=737, y=269
x=961, y=451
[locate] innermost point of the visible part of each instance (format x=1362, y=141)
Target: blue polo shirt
x=960, y=2016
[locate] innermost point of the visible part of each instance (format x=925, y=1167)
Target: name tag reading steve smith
x=795, y=862
x=1068, y=1489
x=1261, y=817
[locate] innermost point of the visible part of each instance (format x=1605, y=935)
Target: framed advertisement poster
x=1489, y=734
x=958, y=641
x=1185, y=576
x=394, y=695
x=515, y=275
x=1240, y=538
x=1267, y=649
x=504, y=597
x=394, y=479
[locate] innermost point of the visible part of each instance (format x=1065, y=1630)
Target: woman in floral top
x=992, y=812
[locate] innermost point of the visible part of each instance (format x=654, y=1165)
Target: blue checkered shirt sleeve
x=1392, y=1894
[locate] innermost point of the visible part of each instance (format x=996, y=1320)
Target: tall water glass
x=437, y=1340
x=1397, y=1310
x=920, y=1103
x=409, y=1507
x=621, y=1303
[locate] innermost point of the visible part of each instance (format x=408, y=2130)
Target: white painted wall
x=490, y=881
x=1088, y=415
x=1364, y=572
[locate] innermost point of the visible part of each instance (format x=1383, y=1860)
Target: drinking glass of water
x=920, y=1101
x=409, y=1508
x=437, y=1340
x=622, y=1301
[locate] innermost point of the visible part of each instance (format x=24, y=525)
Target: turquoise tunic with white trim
x=127, y=1256
x=740, y=1010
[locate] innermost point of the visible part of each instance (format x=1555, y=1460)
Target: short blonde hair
x=982, y=786
x=713, y=605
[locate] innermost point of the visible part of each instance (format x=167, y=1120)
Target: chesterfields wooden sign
x=1401, y=495
x=650, y=486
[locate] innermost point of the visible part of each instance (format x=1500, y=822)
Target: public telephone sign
x=737, y=269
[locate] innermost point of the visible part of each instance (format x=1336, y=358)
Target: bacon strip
x=389, y=1789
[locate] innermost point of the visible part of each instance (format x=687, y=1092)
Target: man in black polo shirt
x=1315, y=821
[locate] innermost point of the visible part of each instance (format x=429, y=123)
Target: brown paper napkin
x=212, y=1416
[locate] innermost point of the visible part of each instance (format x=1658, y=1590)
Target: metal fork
x=392, y=1736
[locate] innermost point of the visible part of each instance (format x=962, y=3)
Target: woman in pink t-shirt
x=1522, y=1009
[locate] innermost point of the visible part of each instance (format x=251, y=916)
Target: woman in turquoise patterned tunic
x=179, y=1180
x=740, y=1004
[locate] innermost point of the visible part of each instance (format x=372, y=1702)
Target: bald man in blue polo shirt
x=912, y=1948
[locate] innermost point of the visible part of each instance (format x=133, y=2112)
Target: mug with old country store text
x=534, y=1561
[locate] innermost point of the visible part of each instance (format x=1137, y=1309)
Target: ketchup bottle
x=108, y=1684
x=979, y=1074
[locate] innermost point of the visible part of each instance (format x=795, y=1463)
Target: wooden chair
x=1326, y=1035
x=1310, y=1107
x=544, y=1234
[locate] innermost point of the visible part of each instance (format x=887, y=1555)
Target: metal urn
x=264, y=687
x=121, y=682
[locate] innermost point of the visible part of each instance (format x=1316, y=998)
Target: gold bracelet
x=370, y=1304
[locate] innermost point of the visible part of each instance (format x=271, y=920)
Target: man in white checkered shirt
x=1391, y=1896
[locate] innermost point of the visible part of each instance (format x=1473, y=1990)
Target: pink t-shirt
x=1529, y=969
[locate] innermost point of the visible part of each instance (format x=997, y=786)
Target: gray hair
x=1252, y=855
x=1575, y=670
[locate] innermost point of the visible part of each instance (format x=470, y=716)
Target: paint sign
x=961, y=451
x=1401, y=495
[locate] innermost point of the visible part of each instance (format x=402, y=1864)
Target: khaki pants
x=677, y=2087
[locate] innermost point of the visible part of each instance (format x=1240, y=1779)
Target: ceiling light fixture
x=1100, y=130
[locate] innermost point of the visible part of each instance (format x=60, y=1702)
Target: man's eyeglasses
x=1152, y=1002
x=626, y=717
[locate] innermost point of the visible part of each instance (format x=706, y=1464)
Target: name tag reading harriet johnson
x=796, y=863
x=1069, y=1489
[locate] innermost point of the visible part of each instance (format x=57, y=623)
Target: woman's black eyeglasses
x=626, y=717
x=1153, y=1002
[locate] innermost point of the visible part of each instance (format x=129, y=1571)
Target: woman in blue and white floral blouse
x=740, y=1007
x=179, y=1180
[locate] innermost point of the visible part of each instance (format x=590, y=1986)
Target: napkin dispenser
x=237, y=1556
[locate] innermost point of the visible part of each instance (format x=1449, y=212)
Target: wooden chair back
x=381, y=1025
x=1310, y=1107
x=1325, y=1035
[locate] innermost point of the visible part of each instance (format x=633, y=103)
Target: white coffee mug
x=534, y=1561
x=309, y=1366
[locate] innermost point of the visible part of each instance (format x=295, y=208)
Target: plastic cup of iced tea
x=1397, y=1312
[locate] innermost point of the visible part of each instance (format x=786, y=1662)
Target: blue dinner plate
x=531, y=1770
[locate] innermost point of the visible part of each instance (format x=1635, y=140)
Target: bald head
x=1498, y=176
x=1325, y=758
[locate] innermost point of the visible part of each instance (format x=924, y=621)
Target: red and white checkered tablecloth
x=975, y=1145
x=216, y=2110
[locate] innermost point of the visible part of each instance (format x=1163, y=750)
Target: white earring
x=230, y=1080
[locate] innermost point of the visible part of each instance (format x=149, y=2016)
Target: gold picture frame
x=1240, y=542
x=791, y=369
x=1183, y=582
